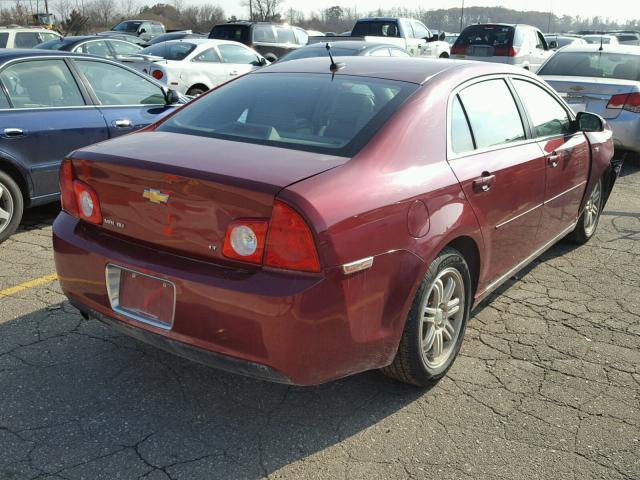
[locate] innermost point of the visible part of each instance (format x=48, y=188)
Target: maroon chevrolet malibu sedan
x=300, y=224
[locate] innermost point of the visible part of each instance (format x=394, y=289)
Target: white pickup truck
x=410, y=34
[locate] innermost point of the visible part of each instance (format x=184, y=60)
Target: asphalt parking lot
x=547, y=386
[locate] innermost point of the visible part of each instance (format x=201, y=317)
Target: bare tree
x=104, y=11
x=267, y=10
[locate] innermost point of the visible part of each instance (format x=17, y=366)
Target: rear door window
x=548, y=117
x=4, y=36
x=99, y=48
x=285, y=35
x=27, y=39
x=236, y=33
x=461, y=138
x=376, y=28
x=41, y=83
x=208, y=56
x=124, y=48
x=264, y=34
x=492, y=113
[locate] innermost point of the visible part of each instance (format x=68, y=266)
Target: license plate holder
x=141, y=297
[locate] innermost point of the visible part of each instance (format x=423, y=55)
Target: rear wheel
x=444, y=55
x=588, y=223
x=196, y=90
x=11, y=206
x=436, y=323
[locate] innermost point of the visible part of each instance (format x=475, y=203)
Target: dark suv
x=271, y=40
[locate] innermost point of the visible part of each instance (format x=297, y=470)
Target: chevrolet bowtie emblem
x=577, y=88
x=155, y=196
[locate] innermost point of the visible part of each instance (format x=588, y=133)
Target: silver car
x=521, y=45
x=603, y=80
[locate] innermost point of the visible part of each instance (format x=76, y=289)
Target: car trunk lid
x=181, y=192
x=591, y=94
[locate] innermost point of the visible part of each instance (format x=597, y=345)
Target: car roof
x=412, y=70
x=199, y=41
x=606, y=48
x=350, y=45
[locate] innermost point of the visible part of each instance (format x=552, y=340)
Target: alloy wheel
x=592, y=210
x=442, y=317
x=6, y=207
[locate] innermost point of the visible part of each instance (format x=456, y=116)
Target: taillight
x=626, y=101
x=245, y=240
x=458, y=50
x=87, y=202
x=157, y=74
x=285, y=241
x=505, y=52
x=290, y=242
x=67, y=193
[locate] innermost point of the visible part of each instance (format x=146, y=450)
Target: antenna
x=601, y=40
x=334, y=67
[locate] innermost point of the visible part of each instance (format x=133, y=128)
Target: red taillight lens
x=505, y=52
x=245, y=240
x=626, y=101
x=290, y=243
x=67, y=193
x=458, y=50
x=88, y=205
x=157, y=74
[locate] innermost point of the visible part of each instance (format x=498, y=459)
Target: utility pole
x=461, y=15
x=46, y=7
x=250, y=10
x=550, y=15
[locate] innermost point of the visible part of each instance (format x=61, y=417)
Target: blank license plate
x=140, y=296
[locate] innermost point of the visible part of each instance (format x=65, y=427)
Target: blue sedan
x=52, y=103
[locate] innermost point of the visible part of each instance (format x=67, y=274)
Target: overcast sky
x=615, y=9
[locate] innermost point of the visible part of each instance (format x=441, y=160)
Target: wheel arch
x=469, y=249
x=20, y=176
x=199, y=85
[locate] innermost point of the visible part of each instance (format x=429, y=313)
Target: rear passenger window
x=262, y=33
x=4, y=36
x=549, y=118
x=461, y=139
x=26, y=39
x=41, y=83
x=4, y=103
x=492, y=113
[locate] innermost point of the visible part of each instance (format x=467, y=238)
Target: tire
x=444, y=55
x=271, y=57
x=11, y=206
x=588, y=222
x=195, y=91
x=429, y=326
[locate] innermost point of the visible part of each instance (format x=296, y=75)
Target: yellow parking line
x=27, y=285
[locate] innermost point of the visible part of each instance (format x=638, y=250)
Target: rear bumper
x=286, y=327
x=205, y=357
x=626, y=131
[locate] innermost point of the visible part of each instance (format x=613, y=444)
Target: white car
x=193, y=66
x=25, y=37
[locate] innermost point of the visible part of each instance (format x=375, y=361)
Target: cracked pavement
x=547, y=386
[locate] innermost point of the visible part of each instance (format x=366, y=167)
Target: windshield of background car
x=376, y=29
x=593, y=64
x=237, y=33
x=127, y=27
x=170, y=51
x=492, y=35
x=321, y=52
x=311, y=112
x=597, y=39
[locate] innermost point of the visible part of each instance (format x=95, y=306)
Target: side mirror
x=442, y=36
x=589, y=122
x=170, y=96
x=553, y=45
x=432, y=38
x=141, y=31
x=262, y=62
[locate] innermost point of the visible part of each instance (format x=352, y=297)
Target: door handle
x=13, y=132
x=483, y=183
x=552, y=160
x=233, y=72
x=122, y=123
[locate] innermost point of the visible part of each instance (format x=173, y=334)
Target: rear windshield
x=376, y=29
x=627, y=38
x=593, y=64
x=311, y=112
x=492, y=35
x=237, y=33
x=170, y=50
x=321, y=52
